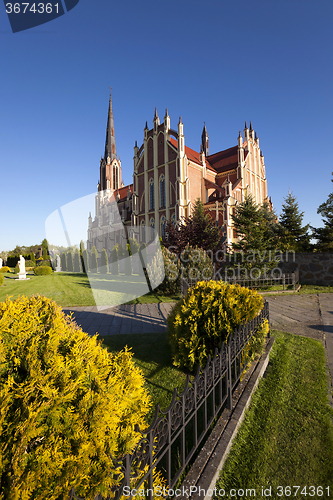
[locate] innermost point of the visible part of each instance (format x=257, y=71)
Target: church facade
x=169, y=176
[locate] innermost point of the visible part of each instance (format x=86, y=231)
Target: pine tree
x=253, y=226
x=293, y=236
x=324, y=235
x=70, y=266
x=77, y=261
x=93, y=260
x=104, y=262
x=197, y=230
x=114, y=261
x=63, y=262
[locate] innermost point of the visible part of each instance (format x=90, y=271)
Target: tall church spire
x=205, y=141
x=110, y=141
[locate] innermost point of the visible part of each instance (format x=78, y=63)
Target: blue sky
x=219, y=62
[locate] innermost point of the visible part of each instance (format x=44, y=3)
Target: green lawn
x=286, y=438
x=74, y=289
x=151, y=352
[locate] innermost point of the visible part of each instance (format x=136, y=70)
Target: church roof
x=192, y=155
x=224, y=160
x=123, y=192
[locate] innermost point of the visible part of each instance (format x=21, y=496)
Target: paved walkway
x=138, y=318
x=308, y=315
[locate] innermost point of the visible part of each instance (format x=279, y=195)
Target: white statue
x=0, y=262
x=58, y=266
x=21, y=264
x=22, y=275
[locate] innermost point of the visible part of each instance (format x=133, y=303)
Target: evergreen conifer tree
x=70, y=266
x=252, y=225
x=324, y=235
x=85, y=261
x=77, y=261
x=63, y=262
x=197, y=230
x=93, y=260
x=114, y=261
x=292, y=235
x=104, y=262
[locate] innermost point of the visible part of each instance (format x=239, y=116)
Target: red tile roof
x=224, y=160
x=192, y=155
x=123, y=191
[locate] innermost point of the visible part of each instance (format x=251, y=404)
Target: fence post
x=229, y=378
x=294, y=281
x=284, y=281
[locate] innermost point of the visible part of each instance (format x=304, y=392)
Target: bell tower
x=110, y=166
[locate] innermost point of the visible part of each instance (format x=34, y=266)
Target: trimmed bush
x=104, y=268
x=93, y=260
x=63, y=261
x=67, y=405
x=77, y=268
x=70, y=266
x=171, y=282
x=42, y=270
x=5, y=269
x=2, y=279
x=205, y=318
x=128, y=262
x=44, y=263
x=195, y=264
x=114, y=261
x=29, y=263
x=12, y=260
x=84, y=261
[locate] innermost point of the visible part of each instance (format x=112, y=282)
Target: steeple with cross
x=110, y=141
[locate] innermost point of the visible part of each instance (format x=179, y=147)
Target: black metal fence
x=176, y=434
x=285, y=279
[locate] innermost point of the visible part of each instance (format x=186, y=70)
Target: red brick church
x=169, y=176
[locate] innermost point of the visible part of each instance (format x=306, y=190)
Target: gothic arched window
x=151, y=195
x=162, y=191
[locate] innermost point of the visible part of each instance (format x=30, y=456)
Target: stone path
x=308, y=315
x=138, y=318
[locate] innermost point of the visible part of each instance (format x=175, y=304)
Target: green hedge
x=205, y=318
x=68, y=407
x=42, y=270
x=2, y=279
x=5, y=269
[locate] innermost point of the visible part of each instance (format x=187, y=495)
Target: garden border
x=206, y=468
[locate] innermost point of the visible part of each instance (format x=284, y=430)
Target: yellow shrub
x=205, y=318
x=66, y=405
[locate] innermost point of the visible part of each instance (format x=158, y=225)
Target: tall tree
x=198, y=230
x=324, y=235
x=293, y=236
x=253, y=225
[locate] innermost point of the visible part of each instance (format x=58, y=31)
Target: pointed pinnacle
x=245, y=125
x=155, y=116
x=251, y=126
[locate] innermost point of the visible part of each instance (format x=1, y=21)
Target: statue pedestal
x=22, y=276
x=58, y=269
